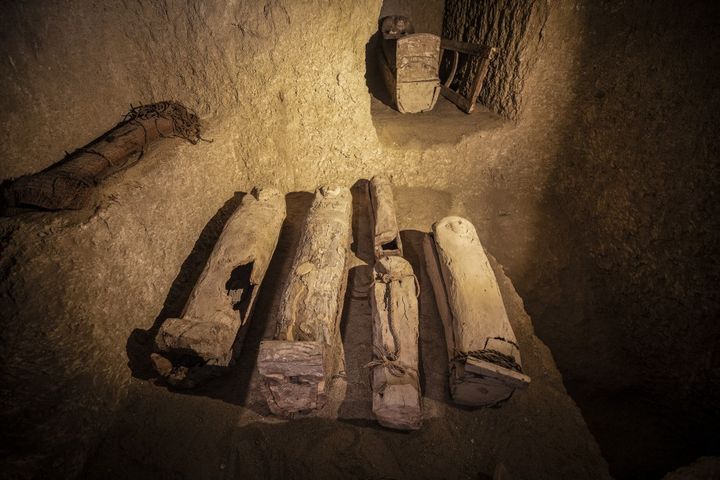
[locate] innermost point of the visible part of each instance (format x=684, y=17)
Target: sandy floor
x=445, y=124
x=224, y=429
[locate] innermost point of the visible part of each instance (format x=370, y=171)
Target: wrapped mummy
x=396, y=388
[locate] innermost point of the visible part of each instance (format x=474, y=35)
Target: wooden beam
x=456, y=98
x=465, y=47
x=486, y=54
x=453, y=70
x=479, y=79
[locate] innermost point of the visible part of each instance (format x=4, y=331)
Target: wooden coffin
x=204, y=341
x=386, y=235
x=409, y=64
x=299, y=362
x=397, y=400
x=484, y=359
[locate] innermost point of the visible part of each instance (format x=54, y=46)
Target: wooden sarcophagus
x=396, y=400
x=204, y=341
x=386, y=234
x=70, y=183
x=484, y=358
x=409, y=63
x=299, y=362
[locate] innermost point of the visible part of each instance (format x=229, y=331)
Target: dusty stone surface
x=600, y=200
x=74, y=67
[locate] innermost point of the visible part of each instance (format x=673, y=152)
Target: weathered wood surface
x=386, y=234
x=222, y=301
x=485, y=364
x=484, y=56
x=69, y=184
x=417, y=57
x=299, y=363
x=410, y=65
x=397, y=401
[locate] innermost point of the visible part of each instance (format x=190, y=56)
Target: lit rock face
x=286, y=75
x=273, y=82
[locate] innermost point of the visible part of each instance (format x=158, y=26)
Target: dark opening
x=183, y=358
x=391, y=245
x=462, y=71
x=239, y=288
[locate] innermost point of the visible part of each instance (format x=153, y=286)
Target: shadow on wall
x=621, y=271
x=432, y=348
x=630, y=306
x=355, y=335
x=373, y=75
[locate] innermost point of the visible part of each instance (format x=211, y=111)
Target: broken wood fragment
x=386, y=235
x=204, y=341
x=298, y=364
x=396, y=388
x=69, y=184
x=484, y=358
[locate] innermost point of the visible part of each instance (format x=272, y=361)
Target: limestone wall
x=279, y=86
x=515, y=30
x=600, y=197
